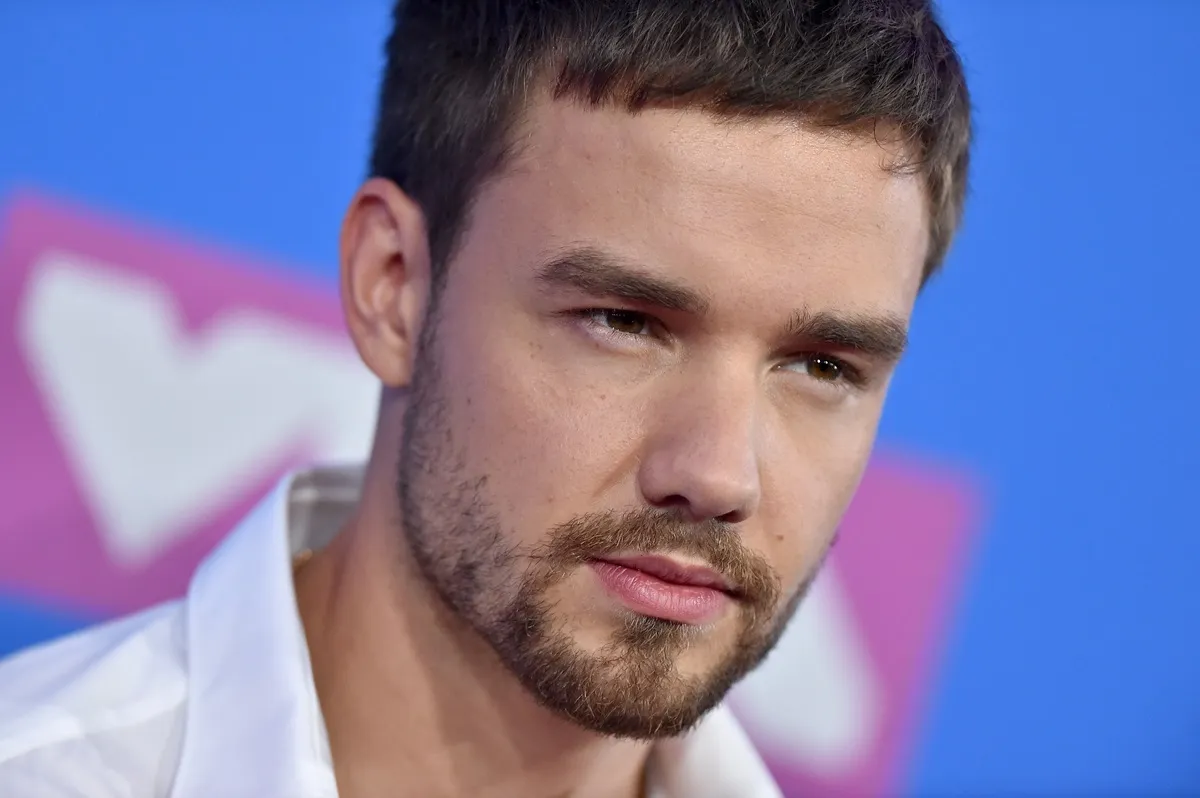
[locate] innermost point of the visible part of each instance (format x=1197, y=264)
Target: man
x=634, y=277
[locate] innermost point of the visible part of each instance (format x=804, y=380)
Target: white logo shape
x=164, y=429
x=816, y=699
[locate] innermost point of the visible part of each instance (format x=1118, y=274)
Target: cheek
x=544, y=431
x=811, y=472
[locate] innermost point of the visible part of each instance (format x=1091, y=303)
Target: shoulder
x=107, y=703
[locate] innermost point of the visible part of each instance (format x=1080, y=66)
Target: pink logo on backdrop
x=155, y=389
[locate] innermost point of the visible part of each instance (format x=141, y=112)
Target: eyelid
x=656, y=329
x=853, y=376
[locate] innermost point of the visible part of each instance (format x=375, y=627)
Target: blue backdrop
x=1053, y=357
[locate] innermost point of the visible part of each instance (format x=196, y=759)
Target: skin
x=763, y=274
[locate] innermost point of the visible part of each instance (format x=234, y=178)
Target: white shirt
x=212, y=695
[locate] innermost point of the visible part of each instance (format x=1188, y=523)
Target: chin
x=651, y=679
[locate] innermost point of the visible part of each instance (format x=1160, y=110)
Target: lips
x=675, y=573
x=661, y=588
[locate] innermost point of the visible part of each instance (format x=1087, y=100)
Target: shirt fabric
x=212, y=695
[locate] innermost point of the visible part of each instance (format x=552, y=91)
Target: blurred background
x=1013, y=609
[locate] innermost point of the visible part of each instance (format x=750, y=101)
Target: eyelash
x=590, y=317
x=850, y=375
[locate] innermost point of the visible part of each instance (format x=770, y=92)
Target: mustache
x=597, y=535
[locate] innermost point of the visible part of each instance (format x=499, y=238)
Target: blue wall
x=1053, y=357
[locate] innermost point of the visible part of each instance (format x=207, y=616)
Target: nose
x=701, y=457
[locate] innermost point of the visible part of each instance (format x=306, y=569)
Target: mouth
x=674, y=572
x=660, y=587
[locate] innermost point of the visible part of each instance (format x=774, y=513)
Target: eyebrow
x=604, y=274
x=593, y=271
x=883, y=337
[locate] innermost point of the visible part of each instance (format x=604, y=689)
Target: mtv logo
x=154, y=390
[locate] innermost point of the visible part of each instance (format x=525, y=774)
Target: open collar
x=254, y=725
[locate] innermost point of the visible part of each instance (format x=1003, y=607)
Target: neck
x=417, y=704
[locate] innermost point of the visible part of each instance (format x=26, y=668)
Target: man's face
x=647, y=395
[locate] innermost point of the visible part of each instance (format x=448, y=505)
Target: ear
x=385, y=278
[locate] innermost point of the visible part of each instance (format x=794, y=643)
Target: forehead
x=747, y=209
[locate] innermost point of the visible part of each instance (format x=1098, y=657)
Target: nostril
x=691, y=511
x=673, y=502
x=732, y=517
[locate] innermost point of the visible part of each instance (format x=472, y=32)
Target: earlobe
x=385, y=278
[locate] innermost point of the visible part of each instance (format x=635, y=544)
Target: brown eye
x=823, y=368
x=624, y=321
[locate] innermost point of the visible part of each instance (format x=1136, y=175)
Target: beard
x=631, y=687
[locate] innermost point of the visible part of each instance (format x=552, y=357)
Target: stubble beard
x=631, y=687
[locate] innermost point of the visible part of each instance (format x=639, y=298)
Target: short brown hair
x=460, y=72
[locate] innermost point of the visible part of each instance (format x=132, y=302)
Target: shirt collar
x=254, y=724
